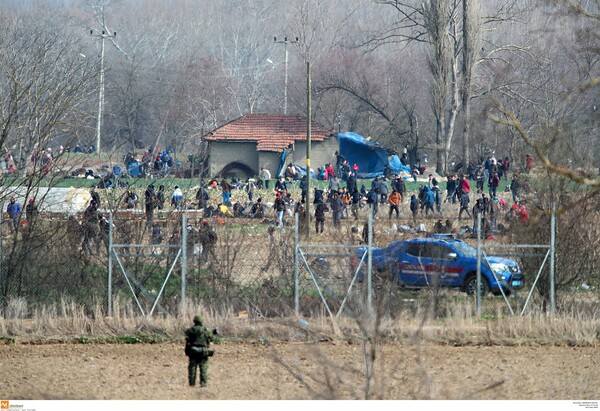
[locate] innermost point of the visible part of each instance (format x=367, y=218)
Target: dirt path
x=249, y=371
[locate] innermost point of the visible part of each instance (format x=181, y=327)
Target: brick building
x=244, y=145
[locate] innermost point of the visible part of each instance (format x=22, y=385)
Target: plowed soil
x=299, y=371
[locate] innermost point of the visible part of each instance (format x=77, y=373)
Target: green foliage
x=140, y=338
x=6, y=340
x=84, y=340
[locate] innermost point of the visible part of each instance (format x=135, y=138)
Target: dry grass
x=68, y=322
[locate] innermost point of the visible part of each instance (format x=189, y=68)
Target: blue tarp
x=370, y=157
x=313, y=176
x=280, y=170
x=396, y=165
x=133, y=169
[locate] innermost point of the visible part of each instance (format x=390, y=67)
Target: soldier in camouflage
x=197, y=341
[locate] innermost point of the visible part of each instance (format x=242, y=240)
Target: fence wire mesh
x=227, y=266
x=155, y=266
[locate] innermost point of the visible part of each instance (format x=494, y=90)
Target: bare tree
x=471, y=37
x=45, y=81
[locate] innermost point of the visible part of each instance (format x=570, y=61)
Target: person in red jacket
x=528, y=163
x=329, y=172
x=465, y=186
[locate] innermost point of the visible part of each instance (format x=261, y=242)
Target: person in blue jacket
x=429, y=200
x=14, y=211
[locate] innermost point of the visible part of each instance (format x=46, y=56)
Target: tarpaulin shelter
x=371, y=157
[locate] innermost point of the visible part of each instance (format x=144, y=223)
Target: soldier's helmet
x=197, y=320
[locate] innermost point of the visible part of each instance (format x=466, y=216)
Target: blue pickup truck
x=447, y=262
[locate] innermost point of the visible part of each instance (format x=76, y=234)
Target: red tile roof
x=272, y=132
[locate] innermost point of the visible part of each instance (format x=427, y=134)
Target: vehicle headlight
x=499, y=268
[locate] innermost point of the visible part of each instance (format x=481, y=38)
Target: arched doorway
x=237, y=169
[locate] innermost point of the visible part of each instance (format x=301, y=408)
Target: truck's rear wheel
x=470, y=286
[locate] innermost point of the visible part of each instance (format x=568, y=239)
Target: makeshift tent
x=396, y=165
x=302, y=170
x=371, y=157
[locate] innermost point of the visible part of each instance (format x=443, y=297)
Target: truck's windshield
x=465, y=249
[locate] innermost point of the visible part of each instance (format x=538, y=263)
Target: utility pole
x=102, y=35
x=308, y=136
x=285, y=41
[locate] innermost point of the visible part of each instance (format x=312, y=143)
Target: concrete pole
x=110, y=263
x=184, y=238
x=100, y=98
x=552, y=256
x=308, y=143
x=370, y=259
x=285, y=87
x=296, y=265
x=478, y=291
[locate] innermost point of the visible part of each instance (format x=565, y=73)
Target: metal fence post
x=552, y=255
x=296, y=266
x=2, y=278
x=110, y=264
x=184, y=238
x=478, y=291
x=370, y=259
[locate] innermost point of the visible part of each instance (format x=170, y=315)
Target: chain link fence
x=160, y=266
x=149, y=266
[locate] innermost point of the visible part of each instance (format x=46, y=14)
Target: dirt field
x=249, y=371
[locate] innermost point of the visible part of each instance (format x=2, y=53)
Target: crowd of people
x=346, y=198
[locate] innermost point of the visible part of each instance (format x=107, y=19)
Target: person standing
x=150, y=201
x=528, y=163
x=131, y=199
x=373, y=200
x=90, y=225
x=493, y=184
x=383, y=191
x=14, y=212
x=506, y=167
x=451, y=189
x=281, y=186
x=394, y=200
x=464, y=205
x=226, y=191
x=202, y=197
x=438, y=199
x=303, y=185
x=250, y=188
x=160, y=197
x=31, y=212
x=515, y=188
x=265, y=175
x=339, y=160
x=320, y=211
x=415, y=207
x=355, y=202
x=177, y=198
x=346, y=200
x=351, y=183
x=464, y=185
x=95, y=196
x=330, y=173
x=197, y=343
x=399, y=185
x=429, y=196
x=279, y=207
x=334, y=184
x=336, y=209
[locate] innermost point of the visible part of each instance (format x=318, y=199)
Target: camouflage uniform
x=197, y=341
